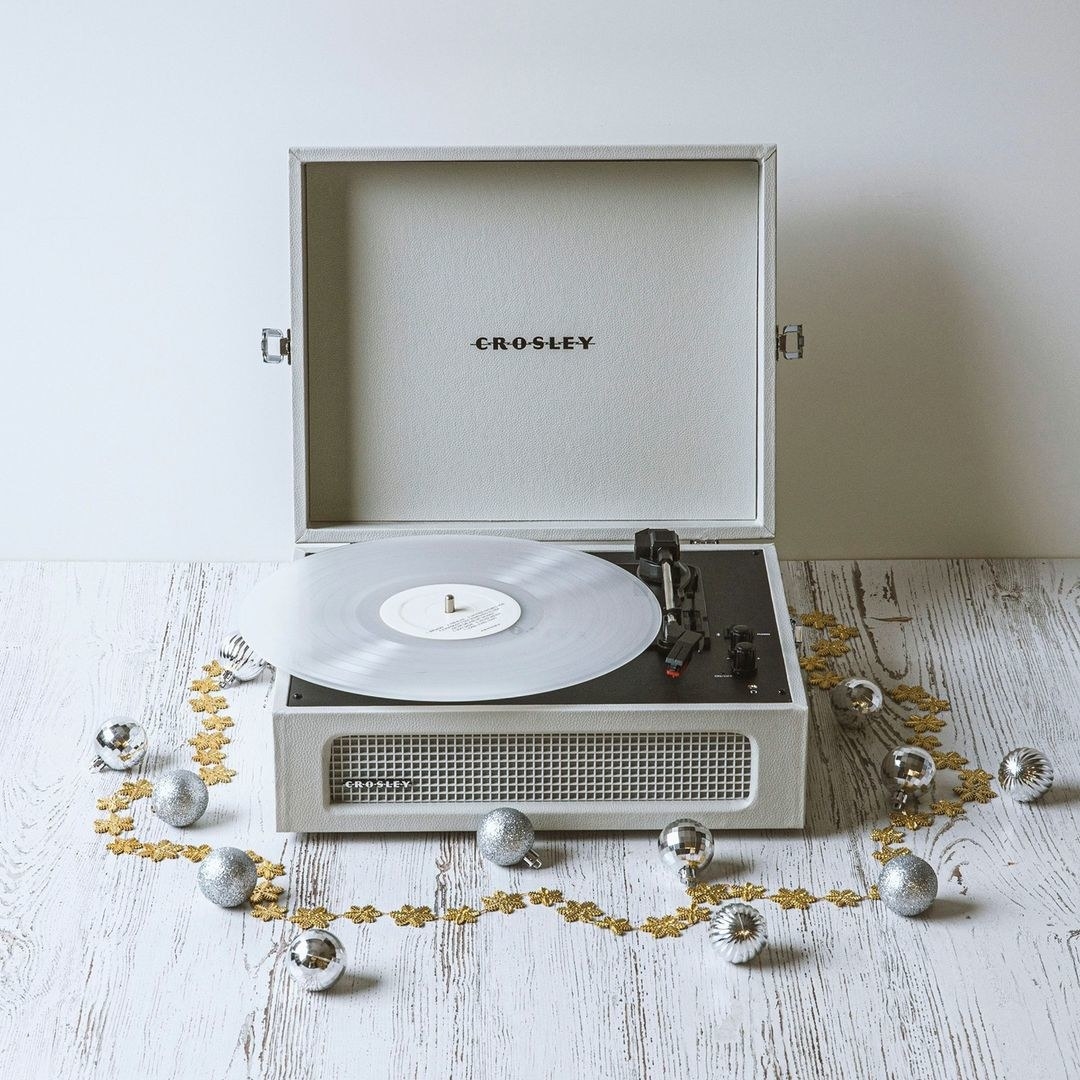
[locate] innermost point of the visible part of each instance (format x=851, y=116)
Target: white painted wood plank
x=112, y=966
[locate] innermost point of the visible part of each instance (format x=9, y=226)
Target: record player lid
x=556, y=343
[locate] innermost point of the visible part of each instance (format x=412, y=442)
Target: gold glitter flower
x=617, y=926
x=793, y=899
x=114, y=825
x=872, y=893
x=948, y=808
x=265, y=891
x=902, y=692
x=137, y=789
x=208, y=757
x=748, y=892
x=709, y=894
x=840, y=632
x=507, y=903
x=204, y=686
x=923, y=723
x=268, y=912
x=580, y=911
x=546, y=897
x=887, y=853
x=115, y=802
x=463, y=916
x=208, y=703
x=163, y=849
x=213, y=669
x=932, y=704
x=124, y=845
x=317, y=918
x=830, y=648
x=362, y=915
x=267, y=870
x=217, y=723
x=663, y=926
x=216, y=774
x=195, y=853
x=925, y=742
x=974, y=777
x=913, y=821
x=407, y=915
x=819, y=620
x=949, y=760
x=891, y=835
x=813, y=663
x=695, y=913
x=208, y=740
x=843, y=898
x=825, y=680
x=980, y=795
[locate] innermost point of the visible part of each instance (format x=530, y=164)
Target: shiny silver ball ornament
x=180, y=798
x=227, y=876
x=908, y=772
x=239, y=661
x=316, y=959
x=854, y=701
x=505, y=836
x=121, y=744
x=1025, y=774
x=687, y=847
x=737, y=931
x=908, y=885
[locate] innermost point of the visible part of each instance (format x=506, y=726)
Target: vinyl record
x=450, y=618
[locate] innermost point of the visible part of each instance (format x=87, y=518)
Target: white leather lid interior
x=406, y=425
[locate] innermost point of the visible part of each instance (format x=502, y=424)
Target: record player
x=533, y=429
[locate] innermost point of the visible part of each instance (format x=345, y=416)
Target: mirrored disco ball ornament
x=505, y=837
x=1025, y=774
x=686, y=847
x=180, y=798
x=908, y=773
x=316, y=959
x=239, y=661
x=907, y=885
x=227, y=876
x=121, y=744
x=854, y=701
x=737, y=931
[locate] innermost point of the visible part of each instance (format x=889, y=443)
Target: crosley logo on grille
x=569, y=341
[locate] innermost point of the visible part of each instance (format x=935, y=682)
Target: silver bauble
x=1025, y=774
x=239, y=661
x=180, y=798
x=120, y=744
x=908, y=885
x=316, y=959
x=854, y=701
x=505, y=836
x=737, y=931
x=908, y=772
x=687, y=847
x=227, y=876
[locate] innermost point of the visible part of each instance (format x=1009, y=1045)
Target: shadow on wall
x=893, y=436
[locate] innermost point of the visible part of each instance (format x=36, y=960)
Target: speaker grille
x=571, y=767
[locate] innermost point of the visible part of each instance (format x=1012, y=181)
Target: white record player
x=533, y=400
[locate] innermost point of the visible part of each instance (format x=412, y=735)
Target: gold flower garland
x=209, y=754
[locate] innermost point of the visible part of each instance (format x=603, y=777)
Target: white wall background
x=930, y=240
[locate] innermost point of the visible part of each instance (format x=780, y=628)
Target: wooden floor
x=116, y=966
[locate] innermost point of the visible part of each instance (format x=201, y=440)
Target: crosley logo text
x=538, y=342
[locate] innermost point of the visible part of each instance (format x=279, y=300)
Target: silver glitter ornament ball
x=737, y=931
x=239, y=661
x=316, y=959
x=120, y=744
x=227, y=876
x=908, y=772
x=908, y=885
x=505, y=837
x=180, y=798
x=854, y=701
x=1025, y=774
x=685, y=846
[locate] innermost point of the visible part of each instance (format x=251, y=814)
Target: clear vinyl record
x=450, y=618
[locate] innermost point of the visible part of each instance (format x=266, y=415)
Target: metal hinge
x=789, y=342
x=282, y=341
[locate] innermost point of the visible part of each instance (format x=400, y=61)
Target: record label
x=476, y=611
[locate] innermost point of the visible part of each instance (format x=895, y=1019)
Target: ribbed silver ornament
x=1025, y=774
x=239, y=661
x=737, y=931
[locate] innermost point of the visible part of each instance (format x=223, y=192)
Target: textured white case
x=665, y=258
